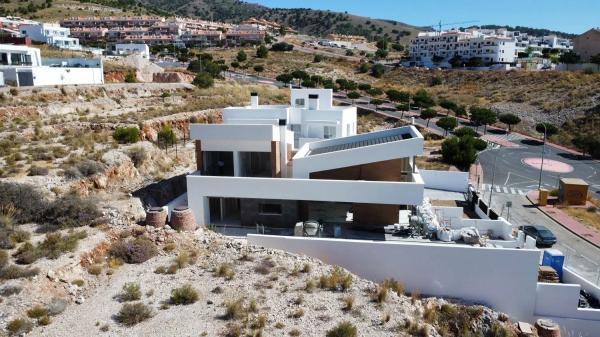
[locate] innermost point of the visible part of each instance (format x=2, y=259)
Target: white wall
x=504, y=279
x=66, y=76
x=446, y=180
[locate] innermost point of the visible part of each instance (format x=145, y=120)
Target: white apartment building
x=24, y=66
x=467, y=45
x=51, y=34
x=141, y=49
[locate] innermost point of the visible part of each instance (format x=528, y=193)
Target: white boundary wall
x=446, y=180
x=505, y=279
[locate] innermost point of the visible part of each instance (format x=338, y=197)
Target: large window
x=299, y=102
x=328, y=132
x=270, y=208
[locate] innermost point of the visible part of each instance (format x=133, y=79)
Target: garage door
x=25, y=78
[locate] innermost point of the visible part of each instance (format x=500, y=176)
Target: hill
x=309, y=21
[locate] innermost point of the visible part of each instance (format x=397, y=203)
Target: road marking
x=497, y=188
x=505, y=189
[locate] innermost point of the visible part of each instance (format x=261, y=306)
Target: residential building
x=237, y=37
x=51, y=34
x=24, y=66
x=202, y=38
x=141, y=49
x=427, y=46
x=587, y=44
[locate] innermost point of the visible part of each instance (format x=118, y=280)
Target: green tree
x=586, y=143
x=509, y=119
x=377, y=70
x=569, y=57
x=482, y=116
x=465, y=131
x=317, y=58
x=456, y=61
x=364, y=86
x=166, y=136
x=376, y=102
x=259, y=68
x=285, y=78
x=422, y=99
x=262, y=52
x=353, y=95
x=203, y=80
x=428, y=114
x=437, y=59
x=460, y=110
x=546, y=128
x=130, y=77
x=363, y=67
x=349, y=52
x=381, y=53
x=460, y=152
x=241, y=56
x=475, y=62
x=397, y=95
x=126, y=135
x=448, y=105
x=375, y=92
x=447, y=123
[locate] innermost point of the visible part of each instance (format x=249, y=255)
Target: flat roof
x=360, y=143
x=573, y=181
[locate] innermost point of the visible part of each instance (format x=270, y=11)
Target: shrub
x=393, y=285
x=10, y=290
x=185, y=294
x=125, y=135
x=310, y=286
x=225, y=270
x=72, y=211
x=343, y=329
x=19, y=326
x=297, y=313
x=89, y=167
x=348, y=302
x=380, y=294
x=133, y=313
x=78, y=282
x=57, y=306
x=44, y=320
x=19, y=236
x=264, y=267
x=37, y=311
x=130, y=77
x=203, y=80
x=338, y=279
x=318, y=58
x=53, y=246
x=137, y=250
x=3, y=258
x=235, y=309
x=131, y=292
x=21, y=202
x=295, y=332
x=95, y=269
x=14, y=272
x=138, y=155
x=38, y=171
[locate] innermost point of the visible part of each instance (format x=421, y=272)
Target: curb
x=563, y=226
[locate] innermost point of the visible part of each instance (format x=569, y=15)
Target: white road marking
x=505, y=189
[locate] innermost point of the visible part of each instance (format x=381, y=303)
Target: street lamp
x=543, y=152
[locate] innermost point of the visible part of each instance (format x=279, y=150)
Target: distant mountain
x=314, y=22
x=531, y=31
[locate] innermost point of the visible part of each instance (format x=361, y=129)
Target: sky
x=571, y=16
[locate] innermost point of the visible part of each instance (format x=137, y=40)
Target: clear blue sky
x=571, y=16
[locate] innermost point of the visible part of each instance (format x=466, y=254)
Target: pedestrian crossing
x=513, y=136
x=503, y=189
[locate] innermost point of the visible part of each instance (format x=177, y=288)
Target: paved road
x=580, y=255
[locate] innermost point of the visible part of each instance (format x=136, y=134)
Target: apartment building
x=24, y=66
x=51, y=34
x=141, y=49
x=202, y=38
x=469, y=44
x=237, y=37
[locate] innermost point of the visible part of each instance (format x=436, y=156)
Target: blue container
x=554, y=258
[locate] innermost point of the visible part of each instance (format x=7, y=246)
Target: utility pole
x=492, y=188
x=542, y=164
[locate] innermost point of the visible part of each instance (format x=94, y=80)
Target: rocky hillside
x=314, y=22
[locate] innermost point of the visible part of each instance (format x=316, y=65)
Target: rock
x=100, y=181
x=52, y=276
x=80, y=300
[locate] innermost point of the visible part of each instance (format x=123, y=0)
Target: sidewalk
x=566, y=221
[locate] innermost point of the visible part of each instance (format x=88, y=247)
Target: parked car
x=542, y=235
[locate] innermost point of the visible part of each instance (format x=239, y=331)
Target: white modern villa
x=24, y=66
x=292, y=167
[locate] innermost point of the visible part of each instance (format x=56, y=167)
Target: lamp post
x=543, y=152
x=492, y=188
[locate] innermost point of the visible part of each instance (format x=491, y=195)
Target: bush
x=53, y=246
x=184, y=295
x=318, y=58
x=88, y=168
x=343, y=329
x=138, y=250
x=13, y=272
x=225, y=270
x=282, y=46
x=3, y=258
x=131, y=292
x=26, y=201
x=19, y=326
x=37, y=311
x=338, y=279
x=10, y=290
x=130, y=77
x=262, y=51
x=203, y=80
x=38, y=171
x=377, y=70
x=138, y=155
x=133, y=313
x=235, y=309
x=19, y=236
x=394, y=286
x=126, y=135
x=72, y=211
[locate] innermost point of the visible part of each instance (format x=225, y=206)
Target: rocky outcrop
x=179, y=122
x=172, y=77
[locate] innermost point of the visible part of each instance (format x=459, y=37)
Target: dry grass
x=589, y=217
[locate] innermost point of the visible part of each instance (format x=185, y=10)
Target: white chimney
x=254, y=100
x=313, y=102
